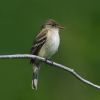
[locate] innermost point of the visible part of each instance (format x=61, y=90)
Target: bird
x=45, y=45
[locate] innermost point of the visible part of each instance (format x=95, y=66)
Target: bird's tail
x=35, y=72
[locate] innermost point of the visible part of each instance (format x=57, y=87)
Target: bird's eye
x=53, y=24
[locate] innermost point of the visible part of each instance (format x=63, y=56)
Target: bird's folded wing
x=38, y=43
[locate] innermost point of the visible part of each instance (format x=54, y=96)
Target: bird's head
x=51, y=24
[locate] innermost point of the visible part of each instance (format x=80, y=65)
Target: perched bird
x=45, y=45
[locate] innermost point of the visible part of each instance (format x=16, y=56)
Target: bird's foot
x=49, y=61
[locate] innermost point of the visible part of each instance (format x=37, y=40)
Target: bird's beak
x=60, y=27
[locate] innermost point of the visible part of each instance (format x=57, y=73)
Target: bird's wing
x=38, y=43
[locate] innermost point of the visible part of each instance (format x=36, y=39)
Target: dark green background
x=20, y=20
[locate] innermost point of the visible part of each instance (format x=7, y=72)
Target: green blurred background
x=20, y=20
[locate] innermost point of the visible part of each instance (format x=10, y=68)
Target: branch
x=74, y=73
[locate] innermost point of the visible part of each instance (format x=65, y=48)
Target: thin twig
x=74, y=73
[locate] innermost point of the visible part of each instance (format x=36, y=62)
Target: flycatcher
x=45, y=45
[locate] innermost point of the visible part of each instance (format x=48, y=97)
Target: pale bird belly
x=51, y=45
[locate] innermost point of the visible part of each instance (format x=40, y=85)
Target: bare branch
x=51, y=63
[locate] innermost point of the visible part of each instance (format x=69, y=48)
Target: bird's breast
x=51, y=45
x=53, y=41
